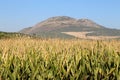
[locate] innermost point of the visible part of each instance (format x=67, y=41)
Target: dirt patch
x=84, y=35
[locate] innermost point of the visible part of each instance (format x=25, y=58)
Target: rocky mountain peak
x=85, y=20
x=88, y=22
x=60, y=18
x=57, y=21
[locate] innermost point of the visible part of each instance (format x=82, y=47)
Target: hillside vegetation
x=55, y=59
x=6, y=35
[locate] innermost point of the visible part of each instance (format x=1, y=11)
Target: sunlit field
x=55, y=59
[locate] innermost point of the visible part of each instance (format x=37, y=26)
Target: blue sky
x=18, y=14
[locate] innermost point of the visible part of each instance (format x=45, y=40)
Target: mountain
x=67, y=27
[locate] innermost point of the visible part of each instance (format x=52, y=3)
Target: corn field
x=55, y=59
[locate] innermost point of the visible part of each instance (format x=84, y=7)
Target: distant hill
x=67, y=27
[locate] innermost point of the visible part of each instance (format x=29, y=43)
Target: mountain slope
x=56, y=26
x=25, y=30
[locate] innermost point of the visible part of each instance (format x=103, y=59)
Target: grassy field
x=55, y=59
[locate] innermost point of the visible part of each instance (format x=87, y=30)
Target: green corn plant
x=57, y=59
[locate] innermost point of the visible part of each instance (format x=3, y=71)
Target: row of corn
x=55, y=59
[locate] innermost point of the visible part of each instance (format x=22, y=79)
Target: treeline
x=4, y=35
